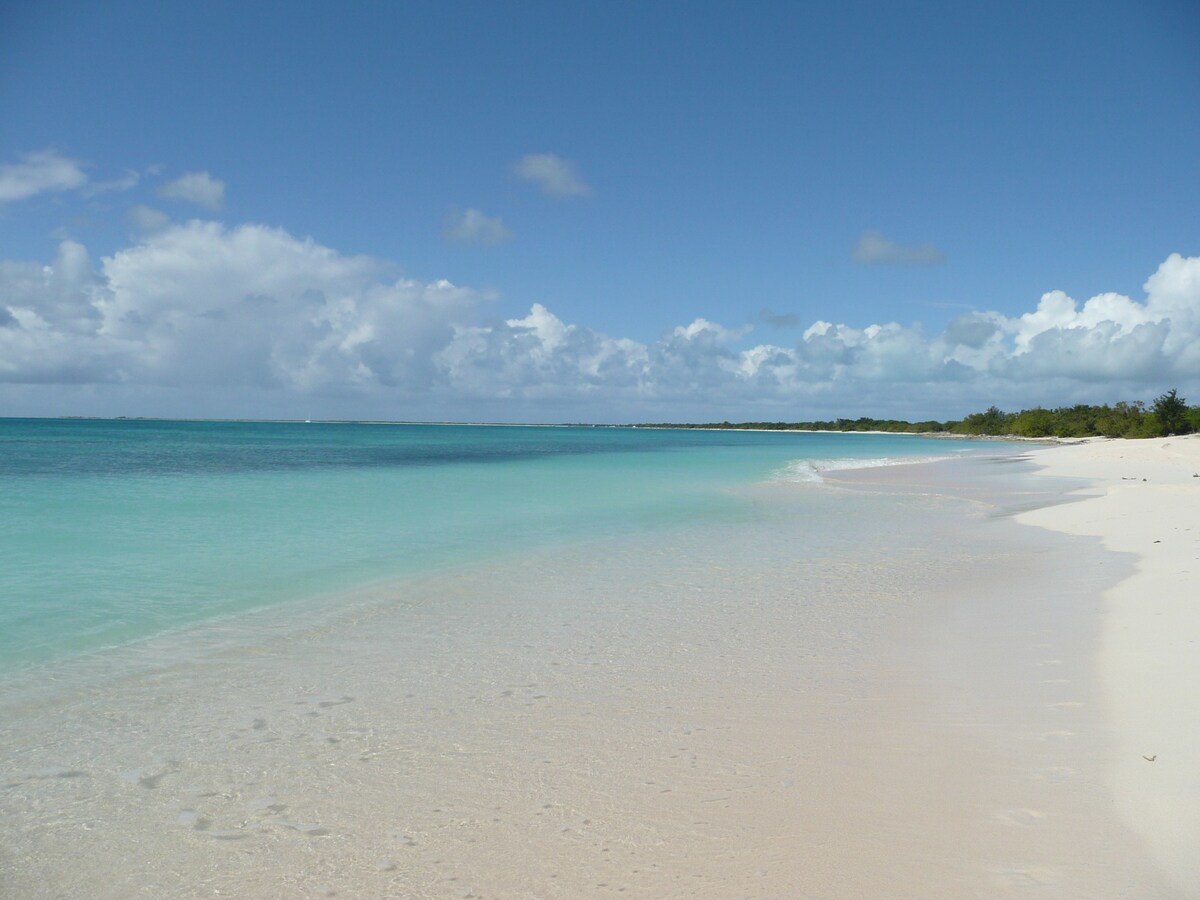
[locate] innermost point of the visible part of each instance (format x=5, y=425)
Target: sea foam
x=813, y=470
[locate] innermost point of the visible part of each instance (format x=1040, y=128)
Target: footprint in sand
x=228, y=834
x=266, y=805
x=250, y=723
x=189, y=818
x=49, y=772
x=149, y=776
x=312, y=829
x=197, y=790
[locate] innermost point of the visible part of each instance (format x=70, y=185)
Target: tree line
x=1168, y=414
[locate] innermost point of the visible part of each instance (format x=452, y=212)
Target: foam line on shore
x=813, y=470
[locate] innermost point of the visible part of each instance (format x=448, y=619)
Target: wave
x=813, y=470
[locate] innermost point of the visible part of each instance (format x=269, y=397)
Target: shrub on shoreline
x=1169, y=414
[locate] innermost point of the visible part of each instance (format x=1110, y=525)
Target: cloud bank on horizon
x=204, y=312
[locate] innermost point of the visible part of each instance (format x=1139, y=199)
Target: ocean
x=115, y=531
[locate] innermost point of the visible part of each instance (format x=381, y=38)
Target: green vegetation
x=1169, y=414
x=1172, y=413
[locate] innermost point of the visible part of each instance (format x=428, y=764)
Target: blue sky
x=642, y=211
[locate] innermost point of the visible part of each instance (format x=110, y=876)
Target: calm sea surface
x=113, y=531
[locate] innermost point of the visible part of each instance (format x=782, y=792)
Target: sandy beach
x=1145, y=501
x=963, y=711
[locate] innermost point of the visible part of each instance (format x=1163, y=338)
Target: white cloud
x=874, y=249
x=40, y=172
x=540, y=357
x=473, y=227
x=227, y=312
x=126, y=182
x=202, y=305
x=1173, y=293
x=52, y=322
x=1056, y=311
x=1058, y=352
x=146, y=218
x=553, y=174
x=708, y=332
x=195, y=187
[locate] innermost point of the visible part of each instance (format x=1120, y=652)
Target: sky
x=596, y=212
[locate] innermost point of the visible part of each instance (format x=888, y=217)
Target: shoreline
x=941, y=435
x=1144, y=499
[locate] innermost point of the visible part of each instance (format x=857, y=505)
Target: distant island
x=1168, y=414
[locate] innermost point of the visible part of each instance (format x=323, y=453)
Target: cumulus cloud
x=40, y=172
x=227, y=310
x=539, y=356
x=195, y=187
x=1057, y=350
x=873, y=249
x=473, y=227
x=553, y=174
x=199, y=304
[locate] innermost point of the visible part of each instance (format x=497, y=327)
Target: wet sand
x=879, y=691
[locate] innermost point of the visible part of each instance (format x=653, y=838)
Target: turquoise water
x=111, y=531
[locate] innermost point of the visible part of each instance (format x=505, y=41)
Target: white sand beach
x=1145, y=501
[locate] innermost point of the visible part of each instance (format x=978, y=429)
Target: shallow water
x=113, y=531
